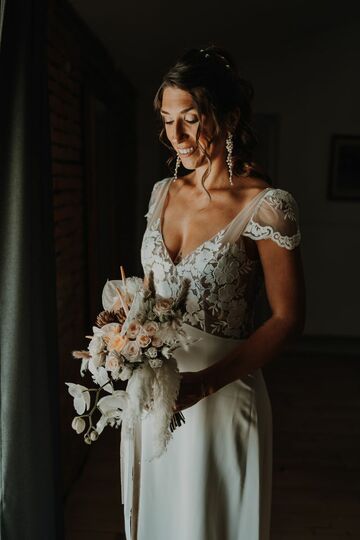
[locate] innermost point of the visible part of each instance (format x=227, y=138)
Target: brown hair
x=211, y=77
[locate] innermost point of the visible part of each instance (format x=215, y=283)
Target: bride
x=225, y=228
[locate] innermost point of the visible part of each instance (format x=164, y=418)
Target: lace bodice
x=224, y=280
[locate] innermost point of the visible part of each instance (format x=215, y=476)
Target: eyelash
x=188, y=121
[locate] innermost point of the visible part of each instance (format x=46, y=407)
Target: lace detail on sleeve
x=277, y=218
x=154, y=198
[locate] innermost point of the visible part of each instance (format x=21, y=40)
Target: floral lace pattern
x=224, y=280
x=286, y=205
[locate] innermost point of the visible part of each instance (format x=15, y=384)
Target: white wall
x=314, y=85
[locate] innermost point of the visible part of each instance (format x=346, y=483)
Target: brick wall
x=77, y=67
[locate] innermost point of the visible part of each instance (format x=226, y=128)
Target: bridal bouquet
x=133, y=341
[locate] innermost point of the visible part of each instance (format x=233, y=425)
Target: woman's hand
x=191, y=390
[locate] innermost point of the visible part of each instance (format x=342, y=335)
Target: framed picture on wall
x=344, y=174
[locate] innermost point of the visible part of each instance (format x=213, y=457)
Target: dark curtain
x=29, y=429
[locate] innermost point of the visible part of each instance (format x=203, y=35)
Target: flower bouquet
x=133, y=340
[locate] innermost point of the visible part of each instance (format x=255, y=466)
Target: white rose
x=78, y=424
x=112, y=362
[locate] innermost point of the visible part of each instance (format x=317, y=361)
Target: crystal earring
x=176, y=167
x=229, y=148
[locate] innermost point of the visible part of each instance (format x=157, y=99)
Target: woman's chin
x=192, y=163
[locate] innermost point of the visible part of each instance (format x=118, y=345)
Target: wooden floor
x=93, y=509
x=316, y=472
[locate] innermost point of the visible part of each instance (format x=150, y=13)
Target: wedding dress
x=214, y=480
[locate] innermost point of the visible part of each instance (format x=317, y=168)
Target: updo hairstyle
x=211, y=77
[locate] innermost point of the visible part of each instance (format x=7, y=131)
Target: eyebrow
x=184, y=110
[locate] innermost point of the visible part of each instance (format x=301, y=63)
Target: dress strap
x=238, y=224
x=157, y=197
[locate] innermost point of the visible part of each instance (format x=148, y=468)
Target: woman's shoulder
x=247, y=188
x=252, y=186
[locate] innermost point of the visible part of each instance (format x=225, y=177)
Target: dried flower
x=81, y=354
x=151, y=352
x=105, y=317
x=155, y=363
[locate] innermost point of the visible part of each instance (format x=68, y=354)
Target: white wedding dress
x=214, y=480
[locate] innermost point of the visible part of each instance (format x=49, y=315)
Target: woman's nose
x=179, y=133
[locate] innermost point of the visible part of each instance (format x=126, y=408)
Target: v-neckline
x=223, y=229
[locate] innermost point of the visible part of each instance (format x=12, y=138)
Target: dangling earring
x=229, y=148
x=176, y=167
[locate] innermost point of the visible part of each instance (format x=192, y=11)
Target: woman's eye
x=192, y=121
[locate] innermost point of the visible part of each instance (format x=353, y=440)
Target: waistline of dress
x=198, y=333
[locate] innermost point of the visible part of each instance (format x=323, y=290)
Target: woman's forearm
x=264, y=345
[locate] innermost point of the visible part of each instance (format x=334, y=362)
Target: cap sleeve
x=154, y=197
x=277, y=218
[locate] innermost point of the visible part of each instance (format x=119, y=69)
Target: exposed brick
x=60, y=184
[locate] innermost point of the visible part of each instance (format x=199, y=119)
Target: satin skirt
x=214, y=480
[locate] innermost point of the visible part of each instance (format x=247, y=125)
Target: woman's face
x=181, y=121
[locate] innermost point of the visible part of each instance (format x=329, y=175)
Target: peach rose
x=143, y=340
x=151, y=327
x=163, y=306
x=131, y=351
x=133, y=329
x=156, y=341
x=116, y=342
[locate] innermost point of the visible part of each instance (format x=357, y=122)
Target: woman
x=226, y=229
